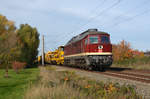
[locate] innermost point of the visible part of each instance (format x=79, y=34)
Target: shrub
x=17, y=66
x=124, y=54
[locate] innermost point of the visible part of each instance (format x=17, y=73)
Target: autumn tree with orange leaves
x=123, y=51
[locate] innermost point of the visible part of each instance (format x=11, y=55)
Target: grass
x=15, y=86
x=67, y=85
x=135, y=63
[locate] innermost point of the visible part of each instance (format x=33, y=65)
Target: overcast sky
x=60, y=20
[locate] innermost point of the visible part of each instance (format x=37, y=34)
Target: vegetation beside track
x=134, y=63
x=15, y=86
x=127, y=57
x=67, y=85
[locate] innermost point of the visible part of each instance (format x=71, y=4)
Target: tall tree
x=29, y=43
x=122, y=51
x=7, y=41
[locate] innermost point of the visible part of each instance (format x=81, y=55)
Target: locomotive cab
x=98, y=49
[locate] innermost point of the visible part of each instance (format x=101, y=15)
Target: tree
x=8, y=41
x=122, y=51
x=28, y=43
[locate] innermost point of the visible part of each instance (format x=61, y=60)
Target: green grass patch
x=15, y=86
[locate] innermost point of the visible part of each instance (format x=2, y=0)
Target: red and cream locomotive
x=91, y=49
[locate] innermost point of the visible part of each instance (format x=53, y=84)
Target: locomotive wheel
x=101, y=68
x=84, y=67
x=90, y=68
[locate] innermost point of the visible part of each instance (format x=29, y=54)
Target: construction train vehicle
x=39, y=59
x=58, y=56
x=53, y=57
x=91, y=49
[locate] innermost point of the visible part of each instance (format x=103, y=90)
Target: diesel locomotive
x=91, y=49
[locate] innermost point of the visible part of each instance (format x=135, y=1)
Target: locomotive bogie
x=103, y=61
x=89, y=61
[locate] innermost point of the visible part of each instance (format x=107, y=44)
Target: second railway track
x=130, y=76
x=134, y=75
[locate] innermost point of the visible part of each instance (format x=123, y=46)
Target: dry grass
x=59, y=92
x=67, y=85
x=50, y=87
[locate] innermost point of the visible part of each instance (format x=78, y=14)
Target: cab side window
x=86, y=41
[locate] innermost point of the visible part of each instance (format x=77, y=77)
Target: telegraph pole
x=43, y=50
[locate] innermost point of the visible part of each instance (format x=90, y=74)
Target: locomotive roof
x=84, y=34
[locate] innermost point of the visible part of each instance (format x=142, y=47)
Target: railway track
x=134, y=75
x=130, y=76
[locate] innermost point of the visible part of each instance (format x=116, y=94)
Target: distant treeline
x=17, y=44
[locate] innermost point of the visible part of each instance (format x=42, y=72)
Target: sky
x=60, y=20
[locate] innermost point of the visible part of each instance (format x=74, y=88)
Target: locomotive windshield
x=93, y=40
x=104, y=39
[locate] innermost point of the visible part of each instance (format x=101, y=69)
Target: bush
x=135, y=63
x=17, y=66
x=125, y=56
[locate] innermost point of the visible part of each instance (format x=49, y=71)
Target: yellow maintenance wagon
x=60, y=55
x=54, y=57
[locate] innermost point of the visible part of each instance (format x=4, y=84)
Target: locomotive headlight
x=100, y=47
